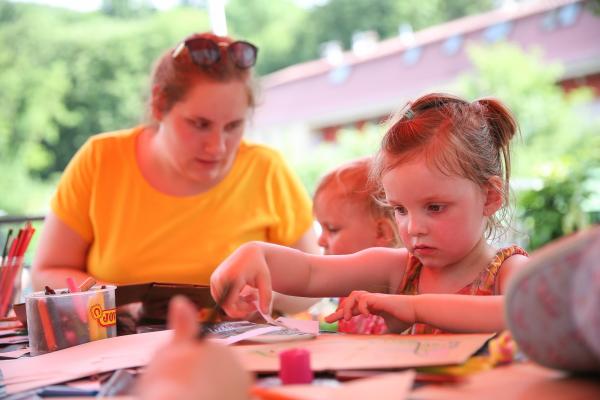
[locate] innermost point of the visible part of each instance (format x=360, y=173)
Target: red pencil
x=5, y=284
x=13, y=264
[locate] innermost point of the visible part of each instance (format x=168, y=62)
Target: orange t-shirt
x=138, y=234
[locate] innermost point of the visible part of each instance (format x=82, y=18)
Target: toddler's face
x=440, y=218
x=346, y=227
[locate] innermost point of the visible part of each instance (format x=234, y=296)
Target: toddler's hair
x=351, y=182
x=458, y=138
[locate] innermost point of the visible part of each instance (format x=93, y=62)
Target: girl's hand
x=239, y=278
x=397, y=310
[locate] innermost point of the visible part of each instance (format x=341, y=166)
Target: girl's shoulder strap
x=487, y=281
x=410, y=281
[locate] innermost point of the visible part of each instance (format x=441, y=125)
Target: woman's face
x=201, y=133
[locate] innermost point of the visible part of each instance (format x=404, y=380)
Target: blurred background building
x=313, y=100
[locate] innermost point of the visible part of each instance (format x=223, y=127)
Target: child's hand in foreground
x=187, y=368
x=397, y=310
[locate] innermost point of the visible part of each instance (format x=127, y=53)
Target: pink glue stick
x=294, y=366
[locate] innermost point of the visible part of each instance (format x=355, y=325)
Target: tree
x=272, y=25
x=94, y=79
x=126, y=8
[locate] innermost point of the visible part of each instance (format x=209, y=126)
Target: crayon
x=269, y=394
x=73, y=288
x=47, y=325
x=61, y=337
x=87, y=284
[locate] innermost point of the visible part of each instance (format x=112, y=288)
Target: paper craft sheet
x=328, y=352
x=80, y=361
x=98, y=356
x=343, y=352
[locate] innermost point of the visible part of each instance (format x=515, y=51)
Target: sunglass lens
x=243, y=54
x=203, y=52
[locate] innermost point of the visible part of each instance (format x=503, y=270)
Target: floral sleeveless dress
x=483, y=285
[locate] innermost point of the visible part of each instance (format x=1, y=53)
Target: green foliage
x=68, y=75
x=272, y=25
x=550, y=120
x=559, y=141
x=22, y=194
x=556, y=209
x=126, y=8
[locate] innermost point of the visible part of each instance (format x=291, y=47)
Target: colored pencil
x=11, y=265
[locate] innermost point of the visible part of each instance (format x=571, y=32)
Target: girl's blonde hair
x=461, y=138
x=351, y=182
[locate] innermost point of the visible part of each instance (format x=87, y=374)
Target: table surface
x=515, y=381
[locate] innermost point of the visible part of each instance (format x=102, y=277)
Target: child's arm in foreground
x=268, y=267
x=448, y=312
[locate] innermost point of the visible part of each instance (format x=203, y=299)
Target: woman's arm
x=61, y=253
x=266, y=266
x=448, y=312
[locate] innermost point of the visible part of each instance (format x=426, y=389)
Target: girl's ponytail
x=502, y=127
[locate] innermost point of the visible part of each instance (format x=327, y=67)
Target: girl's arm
x=266, y=266
x=294, y=304
x=448, y=312
x=509, y=267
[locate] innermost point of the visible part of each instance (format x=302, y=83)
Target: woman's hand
x=187, y=368
x=244, y=270
x=397, y=310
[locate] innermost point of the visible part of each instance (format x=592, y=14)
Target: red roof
x=319, y=94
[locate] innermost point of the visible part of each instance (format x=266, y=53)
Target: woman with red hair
x=168, y=200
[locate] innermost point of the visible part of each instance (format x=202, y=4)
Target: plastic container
x=65, y=319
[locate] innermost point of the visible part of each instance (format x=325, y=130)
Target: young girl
x=351, y=220
x=444, y=167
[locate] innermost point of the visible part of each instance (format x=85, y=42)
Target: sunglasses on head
x=205, y=52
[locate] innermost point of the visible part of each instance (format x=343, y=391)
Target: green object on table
x=327, y=327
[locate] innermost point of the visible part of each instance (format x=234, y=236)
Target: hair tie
x=409, y=114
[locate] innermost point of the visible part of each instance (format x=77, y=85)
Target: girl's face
x=440, y=218
x=346, y=227
x=202, y=132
